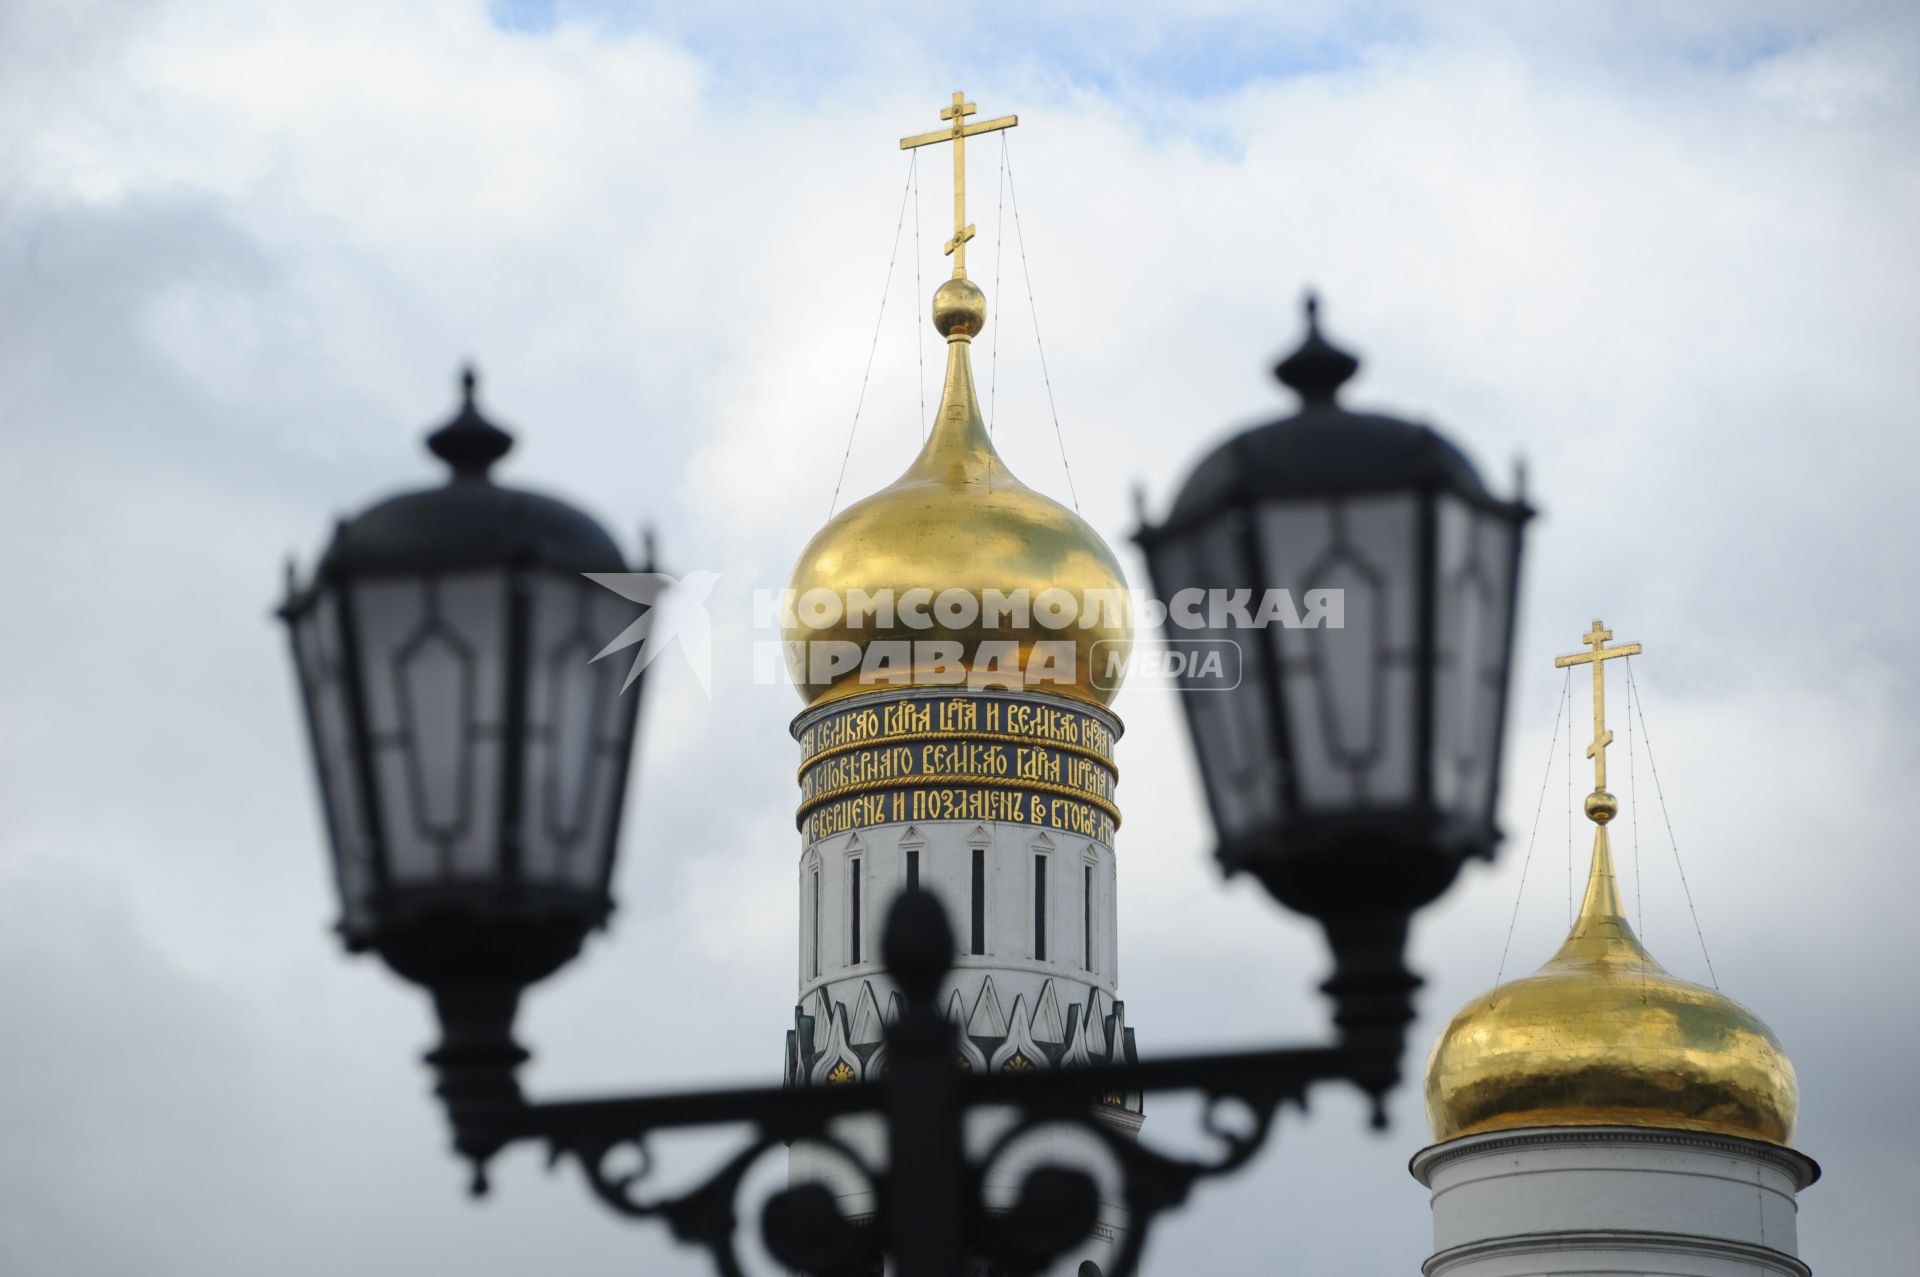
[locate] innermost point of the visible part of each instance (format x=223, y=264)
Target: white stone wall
x=1030, y=988
x=1035, y=1000
x=1613, y=1200
x=945, y=852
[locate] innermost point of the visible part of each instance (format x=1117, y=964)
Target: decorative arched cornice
x=1075, y=1055
x=822, y=1019
x=987, y=1020
x=1099, y=1045
x=970, y=1055
x=839, y=1062
x=867, y=1028
x=1019, y=1051
x=1117, y=1033
x=1048, y=1028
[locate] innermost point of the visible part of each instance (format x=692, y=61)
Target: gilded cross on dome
x=1601, y=805
x=957, y=133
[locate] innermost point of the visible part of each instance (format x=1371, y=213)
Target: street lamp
x=1353, y=766
x=472, y=760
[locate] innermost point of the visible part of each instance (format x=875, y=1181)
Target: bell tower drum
x=958, y=638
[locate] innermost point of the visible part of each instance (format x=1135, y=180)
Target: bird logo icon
x=676, y=608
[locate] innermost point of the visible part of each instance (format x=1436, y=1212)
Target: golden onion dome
x=975, y=563
x=1603, y=1036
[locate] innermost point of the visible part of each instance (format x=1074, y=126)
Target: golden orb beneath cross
x=959, y=310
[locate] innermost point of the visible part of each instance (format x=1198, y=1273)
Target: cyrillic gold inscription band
x=961, y=756
x=964, y=782
x=909, y=738
x=972, y=715
x=991, y=761
x=895, y=805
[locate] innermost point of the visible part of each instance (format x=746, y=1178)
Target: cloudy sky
x=1668, y=260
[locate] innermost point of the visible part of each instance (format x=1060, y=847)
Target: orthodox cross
x=1596, y=639
x=958, y=133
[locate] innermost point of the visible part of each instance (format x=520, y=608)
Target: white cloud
x=243, y=249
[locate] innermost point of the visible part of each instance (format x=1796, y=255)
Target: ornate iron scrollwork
x=929, y=1189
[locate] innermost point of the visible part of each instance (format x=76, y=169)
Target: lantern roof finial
x=469, y=443
x=1318, y=368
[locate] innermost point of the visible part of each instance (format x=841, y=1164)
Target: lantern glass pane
x=1232, y=726
x=1473, y=600
x=432, y=652
x=1350, y=687
x=475, y=605
x=318, y=659
x=577, y=720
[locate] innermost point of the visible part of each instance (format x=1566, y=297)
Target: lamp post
x=472, y=762
x=1355, y=766
x=459, y=730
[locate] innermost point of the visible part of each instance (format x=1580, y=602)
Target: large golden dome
x=957, y=526
x=1603, y=1036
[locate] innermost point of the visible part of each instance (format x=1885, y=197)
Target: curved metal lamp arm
x=930, y=1210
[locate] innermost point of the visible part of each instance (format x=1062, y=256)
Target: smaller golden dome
x=1603, y=1036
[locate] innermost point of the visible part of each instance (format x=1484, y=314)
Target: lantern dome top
x=1324, y=449
x=470, y=522
x=1602, y=1035
x=1318, y=368
x=469, y=443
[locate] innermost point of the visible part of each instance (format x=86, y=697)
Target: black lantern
x=472, y=757
x=1356, y=762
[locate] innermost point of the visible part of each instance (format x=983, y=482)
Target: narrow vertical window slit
x=853, y=912
x=979, y=944
x=1040, y=908
x=1086, y=917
